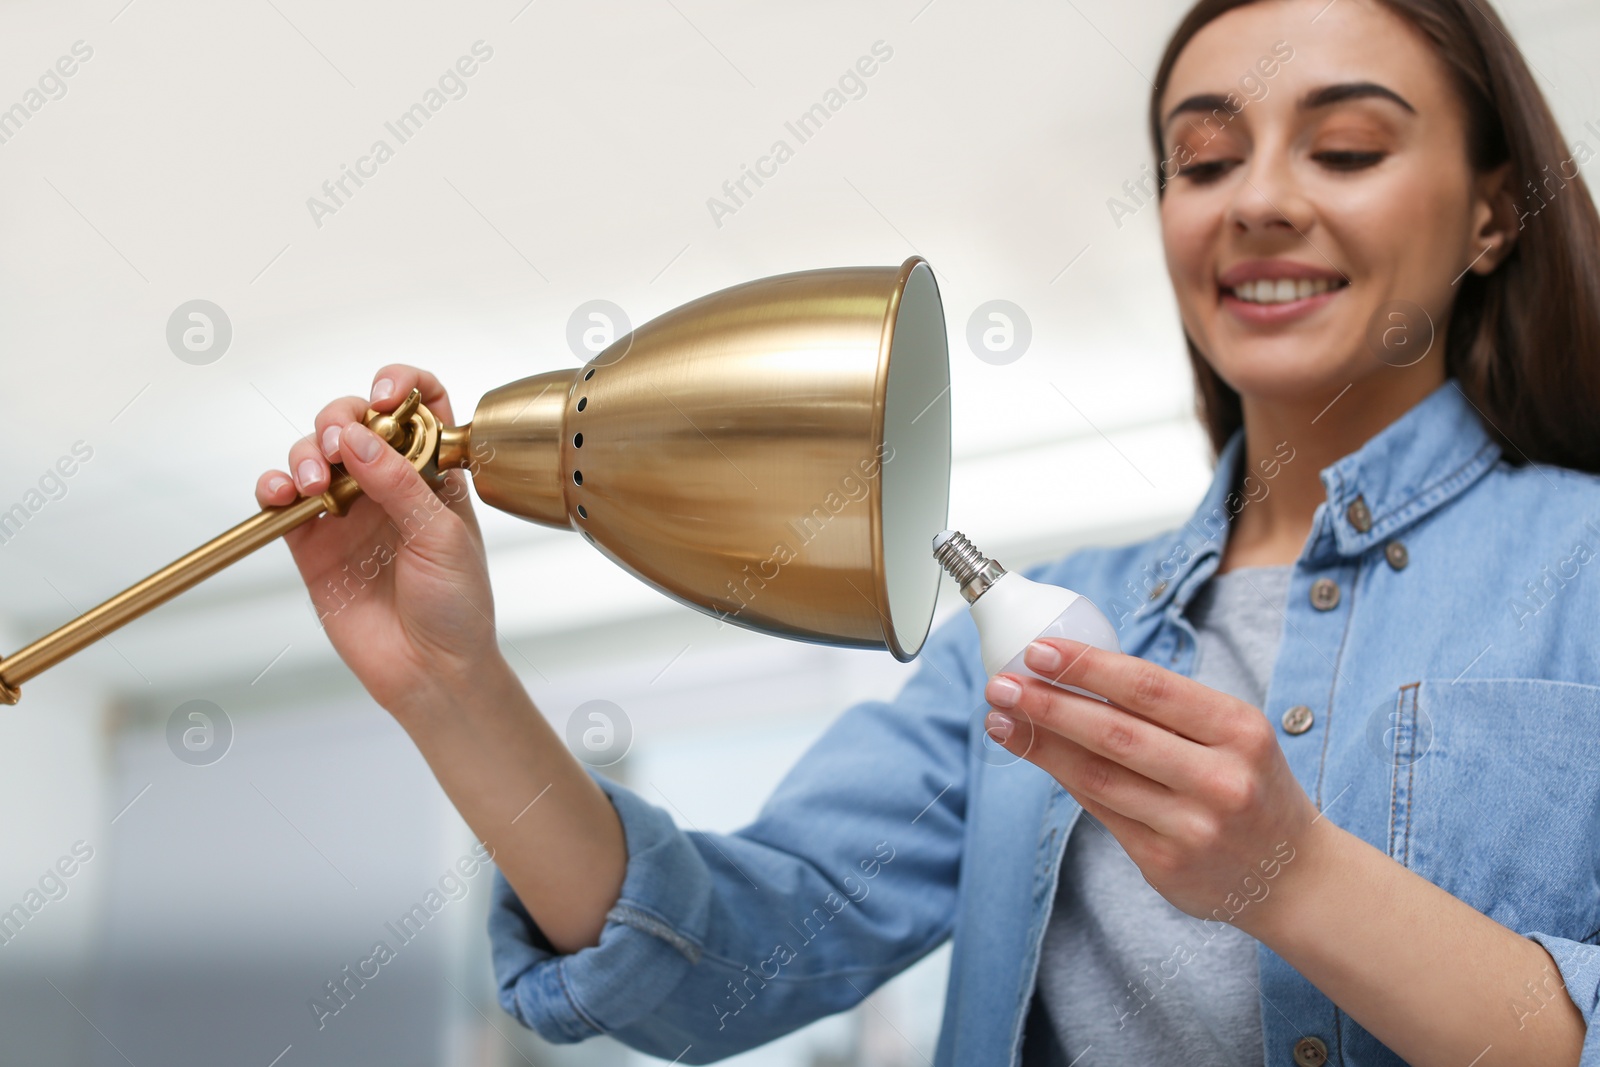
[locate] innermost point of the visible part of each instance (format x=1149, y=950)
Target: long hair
x=1523, y=341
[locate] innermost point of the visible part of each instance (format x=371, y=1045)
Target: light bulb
x=1012, y=611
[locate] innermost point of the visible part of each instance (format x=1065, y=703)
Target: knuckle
x=338, y=412
x=1202, y=831
x=1119, y=739
x=1039, y=703
x=395, y=474
x=1075, y=662
x=1098, y=776
x=1235, y=792
x=1150, y=685
x=1255, y=738
x=301, y=450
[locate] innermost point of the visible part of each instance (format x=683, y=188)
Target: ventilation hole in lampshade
x=583, y=402
x=589, y=375
x=583, y=512
x=577, y=477
x=577, y=440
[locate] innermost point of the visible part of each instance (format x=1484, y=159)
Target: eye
x=1348, y=160
x=1209, y=171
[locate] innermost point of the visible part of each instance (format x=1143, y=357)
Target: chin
x=1285, y=372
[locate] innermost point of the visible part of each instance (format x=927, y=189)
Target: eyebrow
x=1324, y=97
x=1338, y=94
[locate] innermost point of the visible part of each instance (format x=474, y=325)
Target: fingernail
x=306, y=473
x=998, y=726
x=363, y=442
x=382, y=389
x=1042, y=657
x=275, y=484
x=1002, y=691
x=330, y=441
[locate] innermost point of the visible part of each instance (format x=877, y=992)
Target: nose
x=1268, y=200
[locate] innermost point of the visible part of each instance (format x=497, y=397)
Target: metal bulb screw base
x=972, y=570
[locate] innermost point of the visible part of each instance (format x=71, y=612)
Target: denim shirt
x=1437, y=694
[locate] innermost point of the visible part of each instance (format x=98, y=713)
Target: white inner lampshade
x=916, y=471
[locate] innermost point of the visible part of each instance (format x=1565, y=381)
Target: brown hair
x=1523, y=341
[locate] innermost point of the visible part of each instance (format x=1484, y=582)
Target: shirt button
x=1310, y=1052
x=1359, y=515
x=1396, y=554
x=1324, y=594
x=1298, y=719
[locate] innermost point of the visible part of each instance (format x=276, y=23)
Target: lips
x=1272, y=290
x=1278, y=280
x=1284, y=290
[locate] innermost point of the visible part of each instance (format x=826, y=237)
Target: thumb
x=394, y=485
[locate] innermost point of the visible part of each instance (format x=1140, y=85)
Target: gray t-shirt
x=1125, y=978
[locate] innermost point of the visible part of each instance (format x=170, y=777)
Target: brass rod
x=258, y=530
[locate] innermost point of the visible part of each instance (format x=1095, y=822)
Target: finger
x=391, y=385
x=274, y=489
x=1173, y=701
x=331, y=421
x=454, y=487
x=308, y=467
x=1133, y=835
x=1143, y=747
x=1089, y=776
x=383, y=474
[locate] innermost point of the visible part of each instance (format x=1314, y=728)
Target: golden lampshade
x=776, y=454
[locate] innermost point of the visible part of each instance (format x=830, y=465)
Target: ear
x=1495, y=221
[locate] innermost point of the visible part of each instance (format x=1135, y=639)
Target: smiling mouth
x=1283, y=290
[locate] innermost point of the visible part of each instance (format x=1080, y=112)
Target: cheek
x=1190, y=223
x=1374, y=226
x=1404, y=236
x=1189, y=241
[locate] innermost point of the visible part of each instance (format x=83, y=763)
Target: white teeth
x=1281, y=290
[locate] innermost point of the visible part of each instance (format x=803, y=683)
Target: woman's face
x=1332, y=185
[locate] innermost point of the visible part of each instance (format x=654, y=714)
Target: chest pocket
x=1496, y=798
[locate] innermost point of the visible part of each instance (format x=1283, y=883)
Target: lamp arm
x=412, y=430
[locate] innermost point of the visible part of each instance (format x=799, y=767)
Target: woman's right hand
x=402, y=589
x=400, y=583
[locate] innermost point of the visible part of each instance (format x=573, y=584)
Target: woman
x=1351, y=752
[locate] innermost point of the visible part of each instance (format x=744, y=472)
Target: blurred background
x=239, y=819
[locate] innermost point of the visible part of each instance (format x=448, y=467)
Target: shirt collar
x=1406, y=471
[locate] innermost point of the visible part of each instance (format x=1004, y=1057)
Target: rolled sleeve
x=651, y=938
x=719, y=942
x=1579, y=964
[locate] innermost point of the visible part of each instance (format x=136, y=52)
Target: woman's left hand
x=1190, y=781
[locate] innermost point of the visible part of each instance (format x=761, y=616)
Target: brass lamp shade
x=776, y=454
